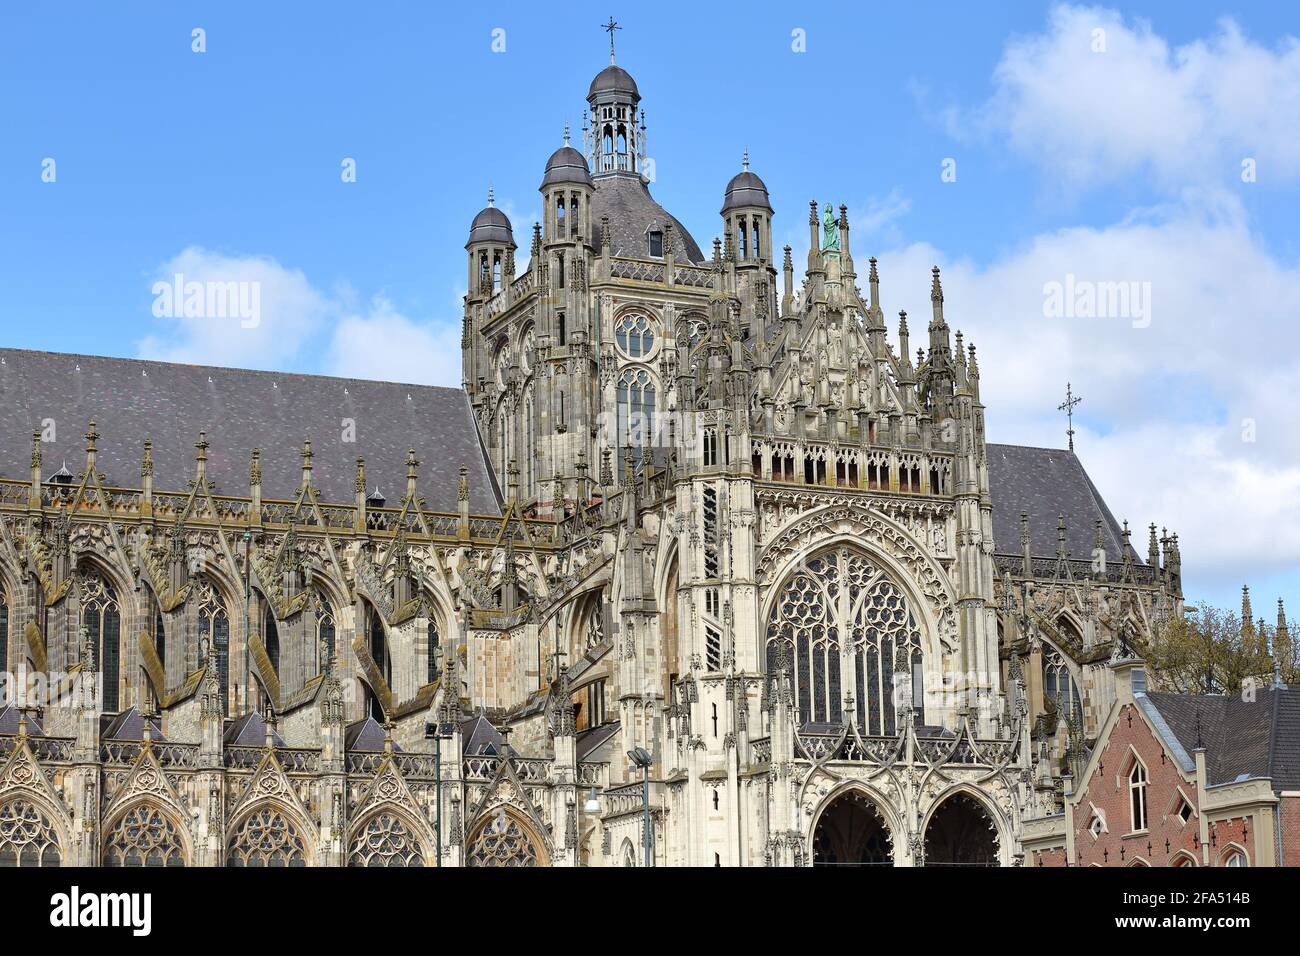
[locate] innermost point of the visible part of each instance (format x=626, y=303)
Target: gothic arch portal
x=504, y=838
x=961, y=829
x=854, y=827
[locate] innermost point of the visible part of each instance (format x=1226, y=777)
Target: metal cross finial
x=1067, y=406
x=566, y=132
x=491, y=197
x=745, y=161
x=610, y=28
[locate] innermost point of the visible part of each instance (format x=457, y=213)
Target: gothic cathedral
x=701, y=567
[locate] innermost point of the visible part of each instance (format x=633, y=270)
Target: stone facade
x=736, y=526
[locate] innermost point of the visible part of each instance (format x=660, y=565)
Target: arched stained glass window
x=214, y=635
x=144, y=836
x=27, y=837
x=840, y=625
x=102, y=618
x=325, y=635
x=385, y=841
x=1058, y=684
x=634, y=334
x=266, y=838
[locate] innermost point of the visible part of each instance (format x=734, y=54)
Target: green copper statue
x=830, y=231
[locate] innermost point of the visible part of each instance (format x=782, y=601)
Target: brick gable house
x=1183, y=780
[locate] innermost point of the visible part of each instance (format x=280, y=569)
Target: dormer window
x=656, y=244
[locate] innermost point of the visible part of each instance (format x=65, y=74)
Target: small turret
x=491, y=240
x=747, y=215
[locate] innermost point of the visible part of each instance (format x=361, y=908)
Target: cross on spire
x=1067, y=406
x=610, y=28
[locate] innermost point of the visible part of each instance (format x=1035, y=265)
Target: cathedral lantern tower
x=615, y=135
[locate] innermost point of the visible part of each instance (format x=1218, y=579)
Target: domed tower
x=491, y=252
x=566, y=195
x=747, y=216
x=491, y=248
x=615, y=136
x=747, y=224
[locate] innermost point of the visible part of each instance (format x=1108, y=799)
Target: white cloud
x=289, y=312
x=1186, y=114
x=385, y=345
x=1162, y=431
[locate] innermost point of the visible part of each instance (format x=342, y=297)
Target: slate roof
x=626, y=200
x=131, y=400
x=588, y=740
x=1242, y=740
x=481, y=738
x=249, y=731
x=129, y=725
x=1047, y=482
x=366, y=734
x=9, y=718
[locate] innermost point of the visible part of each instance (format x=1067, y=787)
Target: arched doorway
x=851, y=831
x=961, y=833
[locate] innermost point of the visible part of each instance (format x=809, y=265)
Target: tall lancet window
x=271, y=636
x=102, y=618
x=636, y=411
x=434, y=644
x=214, y=637
x=379, y=653
x=325, y=635
x=4, y=632
x=529, y=439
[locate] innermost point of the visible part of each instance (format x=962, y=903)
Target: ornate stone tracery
x=384, y=840
x=144, y=836
x=27, y=837
x=840, y=610
x=267, y=837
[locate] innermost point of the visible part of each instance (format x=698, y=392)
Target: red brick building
x=1180, y=780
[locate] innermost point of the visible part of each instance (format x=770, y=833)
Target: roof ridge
x=223, y=368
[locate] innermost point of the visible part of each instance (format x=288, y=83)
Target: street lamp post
x=643, y=759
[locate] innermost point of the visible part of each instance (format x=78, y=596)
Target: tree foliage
x=1210, y=651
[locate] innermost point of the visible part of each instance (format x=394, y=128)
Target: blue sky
x=1122, y=163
